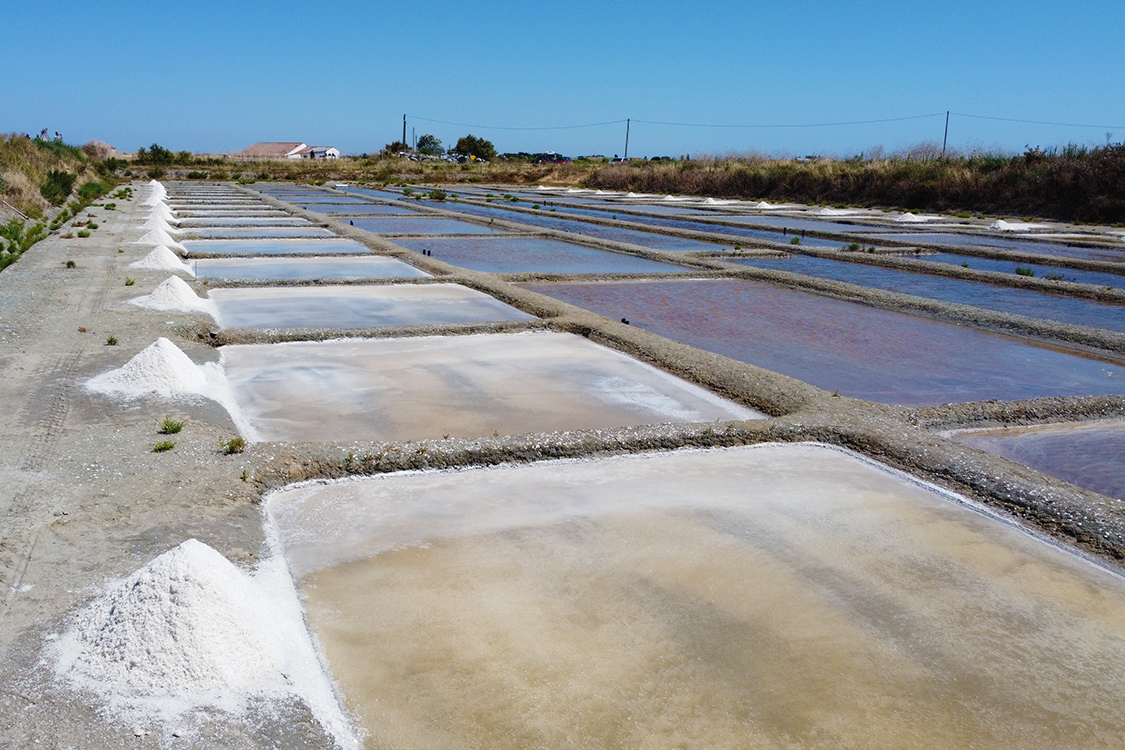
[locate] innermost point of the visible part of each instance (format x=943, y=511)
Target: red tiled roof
x=271, y=149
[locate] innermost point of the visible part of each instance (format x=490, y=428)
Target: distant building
x=317, y=152
x=271, y=151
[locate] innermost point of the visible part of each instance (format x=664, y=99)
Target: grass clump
x=71, y=264
x=170, y=427
x=111, y=341
x=795, y=241
x=232, y=446
x=1025, y=271
x=164, y=445
x=128, y=281
x=83, y=233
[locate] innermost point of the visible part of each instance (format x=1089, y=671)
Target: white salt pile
x=717, y=202
x=762, y=204
x=161, y=369
x=189, y=633
x=1013, y=226
x=675, y=198
x=162, y=258
x=909, y=218
x=836, y=212
x=163, y=212
x=160, y=237
x=174, y=295
x=157, y=222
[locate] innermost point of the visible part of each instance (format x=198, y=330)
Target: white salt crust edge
x=190, y=631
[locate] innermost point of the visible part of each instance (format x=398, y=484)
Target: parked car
x=551, y=157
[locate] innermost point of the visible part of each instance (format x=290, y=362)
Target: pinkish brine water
x=861, y=351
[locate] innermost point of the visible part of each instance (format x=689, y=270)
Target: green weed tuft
x=163, y=446
x=232, y=446
x=170, y=427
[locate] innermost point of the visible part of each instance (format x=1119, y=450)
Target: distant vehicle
x=551, y=157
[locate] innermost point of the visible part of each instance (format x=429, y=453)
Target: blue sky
x=213, y=76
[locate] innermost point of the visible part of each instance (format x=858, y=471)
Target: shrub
x=83, y=233
x=163, y=446
x=438, y=195
x=92, y=190
x=57, y=187
x=155, y=173
x=170, y=427
x=111, y=207
x=232, y=446
x=795, y=241
x=1025, y=271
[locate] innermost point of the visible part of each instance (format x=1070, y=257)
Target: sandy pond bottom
x=1089, y=455
x=779, y=596
x=425, y=388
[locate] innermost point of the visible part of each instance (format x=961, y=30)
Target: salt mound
x=157, y=222
x=191, y=631
x=1013, y=226
x=161, y=211
x=174, y=295
x=160, y=237
x=836, y=212
x=716, y=202
x=909, y=218
x=762, y=204
x=162, y=258
x=675, y=198
x=160, y=369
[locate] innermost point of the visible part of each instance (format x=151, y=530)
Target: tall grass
x=37, y=174
x=1076, y=184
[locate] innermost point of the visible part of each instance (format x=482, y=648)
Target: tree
x=430, y=144
x=395, y=148
x=470, y=145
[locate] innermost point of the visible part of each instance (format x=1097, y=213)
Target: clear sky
x=209, y=76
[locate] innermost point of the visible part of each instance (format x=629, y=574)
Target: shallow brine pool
x=345, y=307
x=426, y=388
x=419, y=225
x=778, y=596
x=530, y=254
x=304, y=268
x=860, y=351
x=1090, y=455
x=328, y=246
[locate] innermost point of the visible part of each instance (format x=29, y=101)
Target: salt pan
x=174, y=295
x=163, y=259
x=190, y=631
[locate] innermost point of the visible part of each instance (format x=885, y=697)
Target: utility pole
x=627, y=121
x=404, y=130
x=946, y=138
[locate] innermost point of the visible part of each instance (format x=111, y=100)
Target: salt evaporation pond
x=1110, y=253
x=1007, y=266
x=343, y=307
x=328, y=198
x=235, y=222
x=545, y=221
x=359, y=208
x=860, y=351
x=696, y=226
x=384, y=194
x=1091, y=455
x=294, y=232
x=776, y=596
x=426, y=388
x=420, y=225
x=330, y=246
x=305, y=269
x=529, y=254
x=1002, y=299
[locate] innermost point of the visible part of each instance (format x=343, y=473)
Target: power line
x=1036, y=122
x=501, y=127
x=803, y=125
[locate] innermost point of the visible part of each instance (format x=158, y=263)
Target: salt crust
x=163, y=259
x=174, y=295
x=189, y=632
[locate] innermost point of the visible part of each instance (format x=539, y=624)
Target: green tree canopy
x=470, y=145
x=430, y=144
